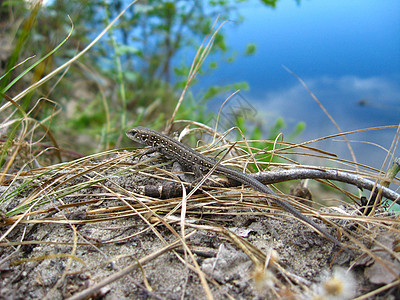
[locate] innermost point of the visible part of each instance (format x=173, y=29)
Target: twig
x=281, y=175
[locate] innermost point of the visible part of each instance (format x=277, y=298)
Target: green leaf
x=250, y=49
x=213, y=65
x=271, y=3
x=125, y=49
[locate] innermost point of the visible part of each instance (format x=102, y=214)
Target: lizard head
x=142, y=135
x=139, y=135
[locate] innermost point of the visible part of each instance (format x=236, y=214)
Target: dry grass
x=80, y=212
x=105, y=188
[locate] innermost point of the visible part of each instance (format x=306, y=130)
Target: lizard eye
x=133, y=135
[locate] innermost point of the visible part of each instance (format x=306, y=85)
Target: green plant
x=133, y=76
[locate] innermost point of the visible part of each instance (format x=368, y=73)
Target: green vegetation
x=134, y=75
x=66, y=94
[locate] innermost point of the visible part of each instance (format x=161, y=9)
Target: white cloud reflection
x=353, y=102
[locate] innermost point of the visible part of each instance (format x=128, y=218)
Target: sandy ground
x=243, y=252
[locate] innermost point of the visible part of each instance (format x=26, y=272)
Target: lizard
x=198, y=163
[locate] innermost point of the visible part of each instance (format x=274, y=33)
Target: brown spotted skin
x=192, y=160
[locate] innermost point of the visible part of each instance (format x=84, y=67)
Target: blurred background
x=346, y=52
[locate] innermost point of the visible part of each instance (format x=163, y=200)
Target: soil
x=245, y=251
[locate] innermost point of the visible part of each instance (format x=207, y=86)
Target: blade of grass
x=9, y=142
x=16, y=66
x=36, y=63
x=72, y=60
x=25, y=32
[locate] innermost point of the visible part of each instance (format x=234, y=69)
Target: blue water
x=347, y=52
